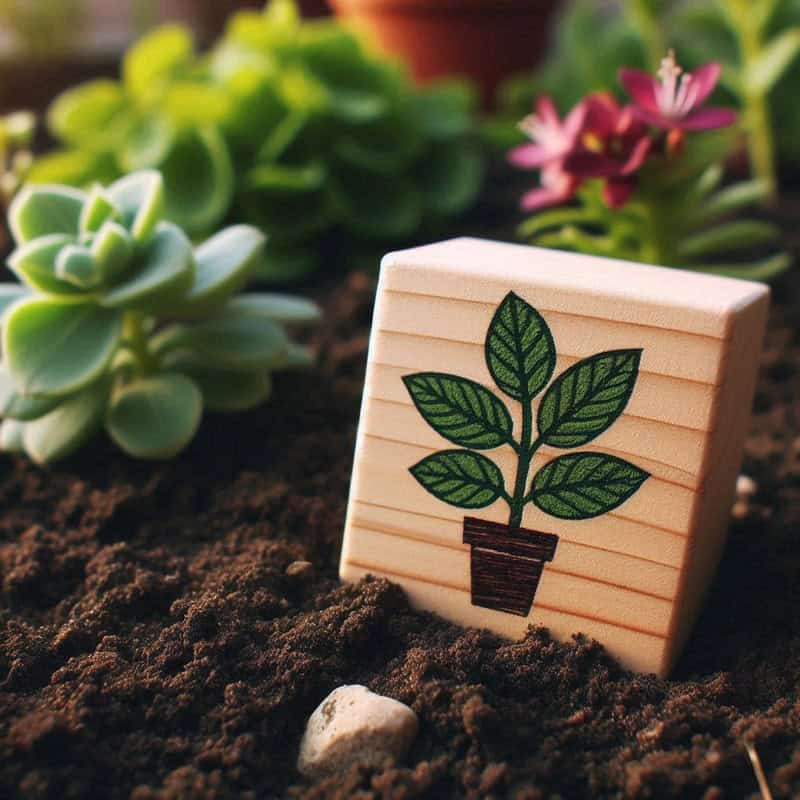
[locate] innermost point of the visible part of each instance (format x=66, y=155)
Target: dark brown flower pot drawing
x=506, y=564
x=506, y=561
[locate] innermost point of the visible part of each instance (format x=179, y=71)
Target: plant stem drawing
x=579, y=405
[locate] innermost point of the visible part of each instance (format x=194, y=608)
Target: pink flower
x=613, y=145
x=552, y=139
x=557, y=188
x=673, y=100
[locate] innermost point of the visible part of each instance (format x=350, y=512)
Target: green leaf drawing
x=460, y=478
x=585, y=485
x=520, y=351
x=586, y=399
x=462, y=411
x=577, y=407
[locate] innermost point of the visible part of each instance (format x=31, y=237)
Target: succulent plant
x=293, y=126
x=120, y=323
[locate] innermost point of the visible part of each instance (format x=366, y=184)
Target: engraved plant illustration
x=579, y=405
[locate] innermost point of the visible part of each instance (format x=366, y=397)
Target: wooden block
x=548, y=438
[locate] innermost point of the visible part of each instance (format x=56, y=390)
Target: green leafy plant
x=576, y=408
x=689, y=221
x=120, y=323
x=296, y=127
x=16, y=139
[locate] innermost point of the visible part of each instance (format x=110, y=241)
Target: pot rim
x=497, y=536
x=438, y=7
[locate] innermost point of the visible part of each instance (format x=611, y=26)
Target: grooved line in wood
x=377, y=570
x=563, y=538
x=707, y=431
x=561, y=314
x=610, y=513
x=428, y=337
x=413, y=537
x=491, y=388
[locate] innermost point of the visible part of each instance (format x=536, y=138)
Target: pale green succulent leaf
x=98, y=208
x=40, y=210
x=35, y=264
x=75, y=265
x=112, y=250
x=222, y=390
x=140, y=199
x=69, y=425
x=20, y=406
x=11, y=431
x=155, y=417
x=164, y=274
x=223, y=265
x=236, y=343
x=57, y=348
x=284, y=308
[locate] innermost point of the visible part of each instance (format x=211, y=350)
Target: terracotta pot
x=506, y=564
x=486, y=40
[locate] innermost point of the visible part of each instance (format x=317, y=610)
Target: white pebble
x=746, y=487
x=353, y=725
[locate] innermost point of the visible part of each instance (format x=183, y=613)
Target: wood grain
x=633, y=577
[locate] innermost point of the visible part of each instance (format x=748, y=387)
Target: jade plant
x=120, y=323
x=642, y=180
x=296, y=127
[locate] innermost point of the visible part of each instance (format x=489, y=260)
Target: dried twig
x=763, y=786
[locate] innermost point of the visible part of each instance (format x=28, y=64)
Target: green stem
x=136, y=340
x=651, y=29
x=760, y=142
x=526, y=451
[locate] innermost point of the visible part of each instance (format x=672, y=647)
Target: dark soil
x=153, y=644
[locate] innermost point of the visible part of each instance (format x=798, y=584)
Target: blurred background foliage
x=307, y=130
x=296, y=126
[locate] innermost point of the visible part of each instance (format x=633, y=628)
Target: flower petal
x=528, y=156
x=539, y=198
x=557, y=188
x=638, y=155
x=617, y=192
x=705, y=119
x=641, y=87
x=546, y=110
x=585, y=164
x=574, y=121
x=657, y=120
x=705, y=79
x=602, y=111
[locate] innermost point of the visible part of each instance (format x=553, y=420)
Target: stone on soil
x=353, y=725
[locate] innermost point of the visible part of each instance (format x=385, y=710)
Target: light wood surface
x=634, y=577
